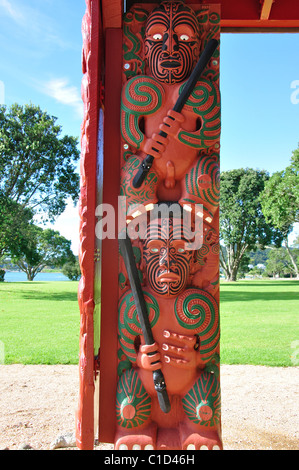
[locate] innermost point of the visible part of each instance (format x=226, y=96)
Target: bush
x=72, y=270
x=2, y=274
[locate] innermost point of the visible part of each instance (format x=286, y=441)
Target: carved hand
x=172, y=123
x=155, y=146
x=147, y=360
x=181, y=350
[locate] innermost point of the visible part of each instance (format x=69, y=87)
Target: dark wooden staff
x=186, y=92
x=129, y=260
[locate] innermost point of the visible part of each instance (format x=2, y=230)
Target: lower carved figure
x=185, y=324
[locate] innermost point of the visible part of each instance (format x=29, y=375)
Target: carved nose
x=166, y=259
x=170, y=43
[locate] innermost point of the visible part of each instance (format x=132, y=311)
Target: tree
x=37, y=164
x=280, y=201
x=44, y=248
x=278, y=263
x=242, y=225
x=14, y=220
x=71, y=269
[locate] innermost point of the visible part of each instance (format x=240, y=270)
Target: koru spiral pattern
x=197, y=310
x=203, y=101
x=128, y=321
x=203, y=181
x=141, y=96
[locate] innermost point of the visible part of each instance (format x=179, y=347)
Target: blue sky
x=40, y=62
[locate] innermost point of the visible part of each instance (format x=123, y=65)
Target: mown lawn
x=259, y=322
x=39, y=322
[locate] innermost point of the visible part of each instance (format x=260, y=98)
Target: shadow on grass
x=238, y=284
x=243, y=296
x=238, y=292
x=30, y=293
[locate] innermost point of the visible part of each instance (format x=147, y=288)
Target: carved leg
x=202, y=407
x=133, y=411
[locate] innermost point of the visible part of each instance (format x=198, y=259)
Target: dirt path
x=259, y=406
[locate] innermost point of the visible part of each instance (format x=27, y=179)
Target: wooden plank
x=109, y=289
x=112, y=13
x=90, y=94
x=259, y=25
x=266, y=9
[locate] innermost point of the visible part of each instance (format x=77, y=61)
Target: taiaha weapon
x=129, y=260
x=186, y=92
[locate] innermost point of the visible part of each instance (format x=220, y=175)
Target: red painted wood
x=266, y=9
x=109, y=305
x=90, y=95
x=112, y=13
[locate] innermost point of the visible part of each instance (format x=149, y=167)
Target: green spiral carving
x=204, y=101
x=141, y=96
x=197, y=310
x=128, y=321
x=210, y=194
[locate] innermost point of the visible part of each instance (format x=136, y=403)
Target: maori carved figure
x=180, y=283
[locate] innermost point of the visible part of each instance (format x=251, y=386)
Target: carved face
x=167, y=262
x=171, y=42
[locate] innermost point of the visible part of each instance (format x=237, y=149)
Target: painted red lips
x=168, y=277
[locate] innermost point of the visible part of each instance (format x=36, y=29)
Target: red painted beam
x=261, y=25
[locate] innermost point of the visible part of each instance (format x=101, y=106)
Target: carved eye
x=157, y=37
x=154, y=250
x=184, y=37
x=181, y=250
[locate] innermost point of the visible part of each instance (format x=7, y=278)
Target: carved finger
x=186, y=340
x=175, y=116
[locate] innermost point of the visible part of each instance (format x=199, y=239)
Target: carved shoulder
x=141, y=96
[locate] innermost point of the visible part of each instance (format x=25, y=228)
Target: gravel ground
x=259, y=407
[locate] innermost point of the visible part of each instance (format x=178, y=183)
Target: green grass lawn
x=259, y=322
x=39, y=322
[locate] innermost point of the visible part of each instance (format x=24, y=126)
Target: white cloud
x=63, y=92
x=12, y=11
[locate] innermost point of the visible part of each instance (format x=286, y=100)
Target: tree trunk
x=292, y=258
x=30, y=275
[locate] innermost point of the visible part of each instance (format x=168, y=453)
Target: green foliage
x=280, y=198
x=242, y=224
x=44, y=248
x=37, y=165
x=72, y=270
x=279, y=263
x=280, y=201
x=14, y=219
x=2, y=275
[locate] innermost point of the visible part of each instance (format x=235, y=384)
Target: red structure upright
x=137, y=62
